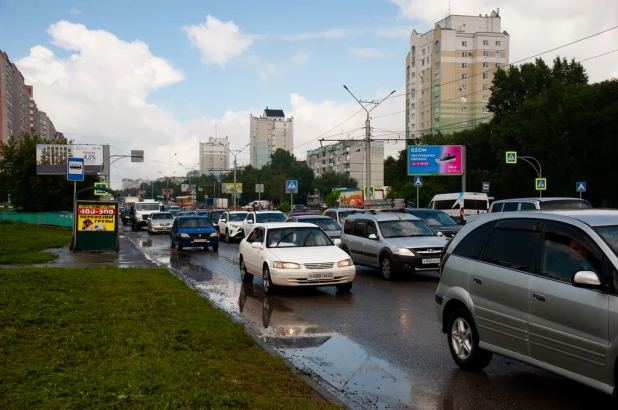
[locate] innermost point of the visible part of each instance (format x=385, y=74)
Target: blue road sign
x=291, y=185
x=485, y=187
x=100, y=185
x=541, y=184
x=75, y=169
x=580, y=186
x=418, y=181
x=238, y=196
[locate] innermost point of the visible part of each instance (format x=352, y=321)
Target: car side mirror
x=586, y=279
x=250, y=221
x=337, y=242
x=373, y=236
x=440, y=234
x=256, y=245
x=223, y=219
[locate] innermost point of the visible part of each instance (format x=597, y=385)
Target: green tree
x=330, y=180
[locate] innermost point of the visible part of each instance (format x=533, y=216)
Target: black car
x=437, y=220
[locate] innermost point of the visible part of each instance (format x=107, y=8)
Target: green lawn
x=21, y=243
x=129, y=338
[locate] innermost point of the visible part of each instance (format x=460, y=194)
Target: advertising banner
x=228, y=187
x=185, y=188
x=96, y=217
x=167, y=191
x=435, y=160
x=351, y=198
x=51, y=159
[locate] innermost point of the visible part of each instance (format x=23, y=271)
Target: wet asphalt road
x=377, y=347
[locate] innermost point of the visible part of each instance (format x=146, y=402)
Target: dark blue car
x=194, y=230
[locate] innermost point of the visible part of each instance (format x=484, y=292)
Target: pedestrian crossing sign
x=541, y=184
x=418, y=182
x=511, y=157
x=291, y=185
x=580, y=187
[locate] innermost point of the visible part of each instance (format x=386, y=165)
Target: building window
x=464, y=76
x=485, y=98
x=464, y=110
x=463, y=88
x=423, y=61
x=423, y=51
x=437, y=66
x=485, y=76
x=464, y=54
x=485, y=120
x=485, y=42
x=464, y=66
x=485, y=87
x=485, y=53
x=498, y=54
x=437, y=76
x=437, y=120
x=464, y=99
x=497, y=43
x=485, y=65
x=464, y=121
x=413, y=106
x=485, y=109
x=436, y=88
x=436, y=98
x=464, y=44
x=498, y=65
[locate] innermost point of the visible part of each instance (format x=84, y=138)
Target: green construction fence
x=63, y=219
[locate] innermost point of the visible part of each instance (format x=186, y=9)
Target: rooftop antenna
x=449, y=8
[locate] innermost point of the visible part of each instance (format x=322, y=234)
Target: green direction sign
x=200, y=189
x=511, y=157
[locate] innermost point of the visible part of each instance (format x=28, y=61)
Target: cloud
x=218, y=41
x=319, y=35
x=266, y=69
x=368, y=53
x=560, y=21
x=394, y=31
x=75, y=10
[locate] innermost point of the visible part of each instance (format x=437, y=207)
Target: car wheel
x=463, y=342
x=344, y=287
x=245, y=276
x=216, y=248
x=269, y=288
x=227, y=236
x=179, y=247
x=386, y=267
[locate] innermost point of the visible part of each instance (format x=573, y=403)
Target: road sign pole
x=417, y=198
x=580, y=195
x=291, y=200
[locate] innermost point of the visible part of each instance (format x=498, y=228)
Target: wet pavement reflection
x=378, y=347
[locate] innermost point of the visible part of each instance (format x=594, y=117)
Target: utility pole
x=364, y=104
x=189, y=170
x=235, y=165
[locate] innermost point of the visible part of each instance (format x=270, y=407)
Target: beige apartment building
x=449, y=71
x=214, y=156
x=268, y=133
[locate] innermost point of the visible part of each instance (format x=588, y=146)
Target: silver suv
x=531, y=204
x=393, y=241
x=539, y=287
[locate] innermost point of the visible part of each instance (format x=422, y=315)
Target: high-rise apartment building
x=268, y=133
x=349, y=157
x=214, y=156
x=46, y=127
x=449, y=71
x=6, y=97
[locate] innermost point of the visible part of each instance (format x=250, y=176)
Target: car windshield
x=328, y=224
x=609, y=235
x=162, y=215
x=214, y=215
x=404, y=229
x=343, y=215
x=201, y=212
x=185, y=213
x=435, y=218
x=147, y=207
x=296, y=238
x=238, y=217
x=270, y=217
x=195, y=223
x=565, y=204
x=174, y=213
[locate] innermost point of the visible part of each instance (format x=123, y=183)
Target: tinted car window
x=512, y=248
x=497, y=207
x=510, y=207
x=359, y=228
x=476, y=204
x=471, y=245
x=253, y=235
x=237, y=217
x=405, y=229
x=348, y=227
x=563, y=256
x=527, y=206
x=162, y=215
x=434, y=218
x=271, y=217
x=343, y=215
x=195, y=223
x=325, y=223
x=371, y=229
x=610, y=236
x=444, y=204
x=566, y=204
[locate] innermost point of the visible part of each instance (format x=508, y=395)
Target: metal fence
x=63, y=219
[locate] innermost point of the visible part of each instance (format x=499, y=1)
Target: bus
x=185, y=202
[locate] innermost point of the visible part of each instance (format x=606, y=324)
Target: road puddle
x=150, y=243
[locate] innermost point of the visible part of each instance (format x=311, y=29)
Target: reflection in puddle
x=149, y=243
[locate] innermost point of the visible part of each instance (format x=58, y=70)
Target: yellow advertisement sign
x=96, y=217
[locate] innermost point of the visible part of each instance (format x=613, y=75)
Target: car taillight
x=461, y=213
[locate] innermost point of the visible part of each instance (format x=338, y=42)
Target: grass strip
x=129, y=338
x=21, y=243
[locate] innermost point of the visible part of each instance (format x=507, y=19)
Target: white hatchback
x=294, y=254
x=261, y=217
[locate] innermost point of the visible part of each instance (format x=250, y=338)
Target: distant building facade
x=268, y=133
x=214, y=156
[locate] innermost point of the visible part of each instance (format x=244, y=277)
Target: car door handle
x=477, y=280
x=538, y=297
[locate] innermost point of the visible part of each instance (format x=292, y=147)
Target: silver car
x=393, y=241
x=539, y=287
x=160, y=222
x=328, y=225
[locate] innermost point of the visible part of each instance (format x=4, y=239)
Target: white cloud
x=266, y=69
x=368, y=53
x=75, y=10
x=218, y=41
x=535, y=27
x=319, y=35
x=394, y=31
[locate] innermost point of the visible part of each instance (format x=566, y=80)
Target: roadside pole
x=417, y=197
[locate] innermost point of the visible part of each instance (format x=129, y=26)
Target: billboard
x=185, y=188
x=228, y=187
x=51, y=159
x=436, y=160
x=96, y=217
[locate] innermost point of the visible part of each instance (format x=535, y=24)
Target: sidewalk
x=129, y=256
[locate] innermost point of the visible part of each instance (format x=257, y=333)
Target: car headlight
x=233, y=226
x=404, y=252
x=286, y=265
x=214, y=235
x=345, y=262
x=184, y=235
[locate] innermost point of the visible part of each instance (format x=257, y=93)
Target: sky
x=162, y=76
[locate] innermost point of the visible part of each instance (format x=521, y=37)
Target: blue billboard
x=435, y=160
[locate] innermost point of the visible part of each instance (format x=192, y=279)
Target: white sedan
x=294, y=254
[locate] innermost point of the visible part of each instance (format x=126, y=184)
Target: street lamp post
x=167, y=186
x=364, y=104
x=189, y=170
x=234, y=155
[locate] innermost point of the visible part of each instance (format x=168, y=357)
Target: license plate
x=200, y=240
x=431, y=261
x=320, y=275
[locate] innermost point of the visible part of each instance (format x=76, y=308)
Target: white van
x=460, y=205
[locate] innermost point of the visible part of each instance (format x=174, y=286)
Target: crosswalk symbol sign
x=418, y=181
x=511, y=157
x=291, y=185
x=541, y=184
x=580, y=187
